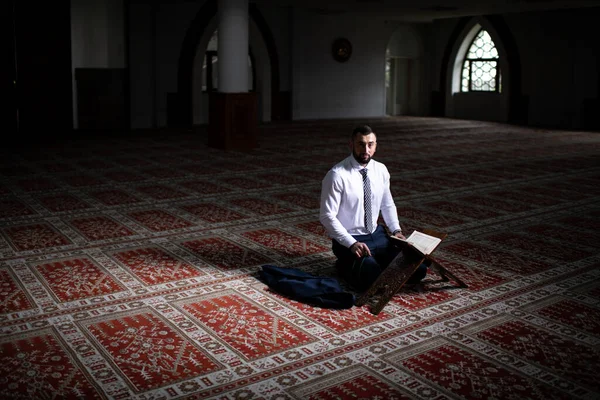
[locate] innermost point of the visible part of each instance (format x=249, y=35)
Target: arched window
x=481, y=71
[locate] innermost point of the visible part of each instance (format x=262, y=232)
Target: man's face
x=363, y=147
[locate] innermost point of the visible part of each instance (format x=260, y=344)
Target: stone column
x=233, y=113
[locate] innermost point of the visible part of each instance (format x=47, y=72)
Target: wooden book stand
x=400, y=270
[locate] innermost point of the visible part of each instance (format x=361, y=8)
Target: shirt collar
x=356, y=165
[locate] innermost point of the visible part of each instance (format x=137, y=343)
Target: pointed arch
x=185, y=67
x=198, y=28
x=490, y=106
x=480, y=69
x=403, y=74
x=518, y=103
x=464, y=44
x=510, y=64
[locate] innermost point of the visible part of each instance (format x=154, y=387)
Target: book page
x=423, y=242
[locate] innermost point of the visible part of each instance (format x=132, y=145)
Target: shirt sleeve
x=332, y=189
x=388, y=207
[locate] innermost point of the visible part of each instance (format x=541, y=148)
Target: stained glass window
x=481, y=72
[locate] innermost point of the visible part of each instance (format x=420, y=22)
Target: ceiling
x=427, y=10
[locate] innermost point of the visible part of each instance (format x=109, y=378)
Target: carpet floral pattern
x=129, y=267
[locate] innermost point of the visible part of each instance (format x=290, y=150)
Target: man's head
x=363, y=144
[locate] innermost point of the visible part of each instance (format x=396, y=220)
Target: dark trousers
x=362, y=272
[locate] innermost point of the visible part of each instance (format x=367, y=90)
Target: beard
x=361, y=158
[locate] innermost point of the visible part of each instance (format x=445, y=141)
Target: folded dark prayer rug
x=322, y=291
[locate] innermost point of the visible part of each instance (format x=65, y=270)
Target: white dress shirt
x=342, y=210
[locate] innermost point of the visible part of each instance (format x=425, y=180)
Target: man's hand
x=400, y=235
x=360, y=249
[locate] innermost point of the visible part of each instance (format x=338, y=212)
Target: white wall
x=558, y=50
x=325, y=88
x=405, y=42
x=279, y=20
x=97, y=33
x=406, y=89
x=320, y=86
x=156, y=35
x=262, y=69
x=97, y=38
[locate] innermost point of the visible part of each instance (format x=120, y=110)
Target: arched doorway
x=403, y=73
x=206, y=80
x=192, y=55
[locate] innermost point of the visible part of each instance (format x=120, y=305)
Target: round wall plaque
x=341, y=49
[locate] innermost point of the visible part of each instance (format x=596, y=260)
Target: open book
x=421, y=241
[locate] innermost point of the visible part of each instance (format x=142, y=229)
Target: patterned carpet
x=129, y=268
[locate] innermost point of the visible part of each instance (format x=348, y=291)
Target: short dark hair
x=361, y=130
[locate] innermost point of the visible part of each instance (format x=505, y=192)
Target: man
x=363, y=249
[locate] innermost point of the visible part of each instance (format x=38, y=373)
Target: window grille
x=481, y=72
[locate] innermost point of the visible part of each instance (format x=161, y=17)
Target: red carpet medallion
x=128, y=268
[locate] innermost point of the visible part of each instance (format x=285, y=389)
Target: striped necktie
x=367, y=190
